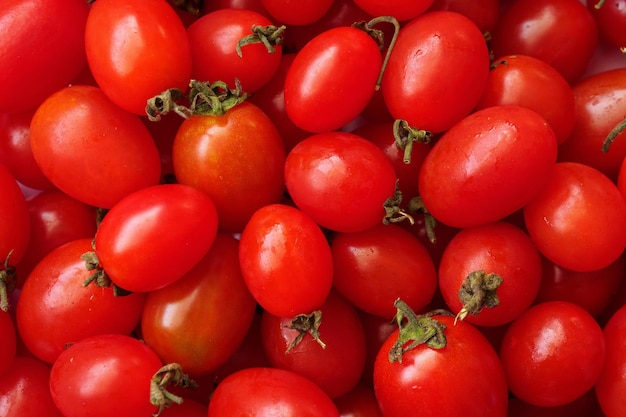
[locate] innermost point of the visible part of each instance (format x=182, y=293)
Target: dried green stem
x=169, y=374
x=306, y=324
x=406, y=136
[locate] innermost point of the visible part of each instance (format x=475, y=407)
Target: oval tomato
x=136, y=50
x=609, y=387
x=487, y=166
x=138, y=245
x=191, y=321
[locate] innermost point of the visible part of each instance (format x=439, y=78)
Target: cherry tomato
x=552, y=354
x=423, y=380
x=562, y=33
x=254, y=392
x=155, y=235
x=14, y=219
x=331, y=352
x=214, y=38
x=119, y=370
x=192, y=321
x=373, y=267
x=37, y=57
x=217, y=155
x=285, y=261
x=558, y=220
x=401, y=9
x=8, y=344
x=437, y=71
x=90, y=148
x=609, y=387
x=54, y=293
x=611, y=19
x=467, y=268
x=340, y=179
x=137, y=50
x=26, y=391
x=487, y=166
x=530, y=82
x=323, y=90
x=303, y=12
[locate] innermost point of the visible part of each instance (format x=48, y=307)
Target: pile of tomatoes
x=317, y=208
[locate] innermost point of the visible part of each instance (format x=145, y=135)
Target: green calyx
x=306, y=324
x=479, y=290
x=270, y=36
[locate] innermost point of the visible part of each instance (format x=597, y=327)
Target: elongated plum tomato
x=436, y=72
x=340, y=179
x=136, y=50
x=325, y=91
x=487, y=166
x=155, y=235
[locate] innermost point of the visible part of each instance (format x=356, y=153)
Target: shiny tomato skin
x=120, y=369
x=14, y=219
x=609, y=387
x=155, y=235
x=236, y=158
x=137, y=50
x=286, y=261
x=552, y=354
x=422, y=83
x=558, y=219
x=425, y=375
x=37, y=57
x=258, y=392
x=201, y=319
x=324, y=91
x=487, y=166
x=90, y=148
x=340, y=179
x=54, y=293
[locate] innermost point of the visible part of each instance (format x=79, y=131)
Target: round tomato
x=420, y=364
x=285, y=261
x=236, y=158
x=552, y=354
x=487, y=166
x=436, y=72
x=559, y=219
x=201, y=319
x=611, y=384
x=136, y=50
x=155, y=235
x=90, y=148
x=270, y=391
x=54, y=293
x=340, y=179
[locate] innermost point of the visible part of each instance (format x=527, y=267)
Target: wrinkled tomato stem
x=171, y=373
x=8, y=278
x=479, y=290
x=379, y=38
x=270, y=36
x=306, y=324
x=405, y=136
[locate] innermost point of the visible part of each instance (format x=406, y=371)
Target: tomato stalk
x=191, y=6
x=415, y=330
x=599, y=4
x=406, y=136
x=479, y=290
x=8, y=278
x=416, y=205
x=270, y=36
x=99, y=276
x=393, y=212
x=613, y=134
x=169, y=374
x=306, y=323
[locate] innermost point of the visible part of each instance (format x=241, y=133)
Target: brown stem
x=169, y=374
x=479, y=290
x=306, y=324
x=393, y=211
x=8, y=279
x=599, y=4
x=406, y=136
x=613, y=134
x=416, y=205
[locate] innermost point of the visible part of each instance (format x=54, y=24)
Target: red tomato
x=37, y=57
x=26, y=391
x=423, y=83
x=217, y=155
x=469, y=261
x=611, y=384
x=286, y=261
x=562, y=33
x=119, y=368
x=190, y=322
x=54, y=293
x=137, y=50
x=90, y=148
x=188, y=408
x=530, y=82
x=584, y=406
x=14, y=219
x=270, y=391
x=302, y=12
x=552, y=354
x=400, y=9
x=484, y=13
x=558, y=219
x=324, y=91
x=610, y=17
x=334, y=359
x=424, y=375
x=487, y=166
x=15, y=151
x=8, y=344
x=600, y=106
x=373, y=267
x=340, y=179
x=155, y=235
